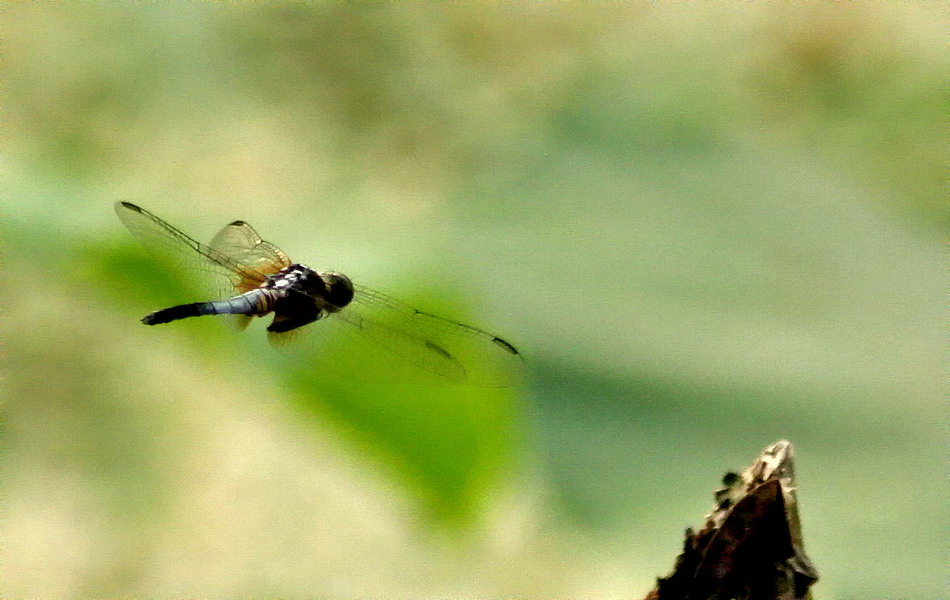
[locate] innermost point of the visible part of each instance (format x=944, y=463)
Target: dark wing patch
x=506, y=346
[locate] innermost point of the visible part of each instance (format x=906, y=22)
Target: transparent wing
x=454, y=350
x=241, y=245
x=230, y=266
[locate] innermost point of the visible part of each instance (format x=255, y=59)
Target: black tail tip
x=150, y=319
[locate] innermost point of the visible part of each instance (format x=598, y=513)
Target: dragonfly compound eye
x=339, y=289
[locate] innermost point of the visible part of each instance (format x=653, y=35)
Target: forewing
x=453, y=350
x=242, y=245
x=222, y=273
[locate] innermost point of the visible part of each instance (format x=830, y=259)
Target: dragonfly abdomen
x=254, y=303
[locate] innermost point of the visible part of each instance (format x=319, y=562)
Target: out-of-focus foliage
x=708, y=227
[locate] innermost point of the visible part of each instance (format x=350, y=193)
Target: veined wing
x=237, y=255
x=454, y=350
x=243, y=246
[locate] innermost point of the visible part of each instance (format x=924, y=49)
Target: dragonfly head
x=339, y=291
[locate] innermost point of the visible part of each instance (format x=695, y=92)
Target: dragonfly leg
x=286, y=321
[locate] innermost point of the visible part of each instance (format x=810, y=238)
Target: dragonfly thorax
x=332, y=291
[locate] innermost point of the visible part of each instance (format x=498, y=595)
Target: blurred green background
x=707, y=226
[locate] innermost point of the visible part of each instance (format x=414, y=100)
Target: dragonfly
x=258, y=279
